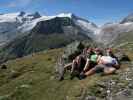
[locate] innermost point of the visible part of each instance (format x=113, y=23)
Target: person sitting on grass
x=78, y=64
x=92, y=60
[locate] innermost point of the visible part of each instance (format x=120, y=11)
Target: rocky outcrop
x=122, y=56
x=73, y=50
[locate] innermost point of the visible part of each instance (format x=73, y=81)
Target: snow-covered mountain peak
x=130, y=15
x=88, y=27
x=129, y=18
x=19, y=17
x=15, y=24
x=34, y=15
x=65, y=15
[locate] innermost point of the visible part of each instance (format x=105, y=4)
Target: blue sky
x=97, y=11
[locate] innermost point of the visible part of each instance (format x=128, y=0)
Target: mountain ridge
x=15, y=24
x=49, y=32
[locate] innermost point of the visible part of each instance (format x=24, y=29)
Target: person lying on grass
x=106, y=64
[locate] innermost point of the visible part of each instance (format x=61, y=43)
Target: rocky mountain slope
x=29, y=33
x=34, y=33
x=111, y=32
x=129, y=18
x=124, y=39
x=13, y=25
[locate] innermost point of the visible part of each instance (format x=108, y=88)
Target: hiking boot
x=78, y=76
x=82, y=76
x=72, y=76
x=61, y=78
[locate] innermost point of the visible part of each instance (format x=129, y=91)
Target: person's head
x=109, y=51
x=89, y=50
x=98, y=51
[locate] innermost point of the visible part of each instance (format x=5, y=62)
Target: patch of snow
x=65, y=15
x=11, y=17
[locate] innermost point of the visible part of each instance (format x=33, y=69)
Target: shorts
x=99, y=68
x=102, y=68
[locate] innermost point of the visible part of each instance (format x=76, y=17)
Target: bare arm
x=87, y=64
x=68, y=65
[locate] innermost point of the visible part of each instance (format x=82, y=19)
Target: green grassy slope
x=32, y=78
